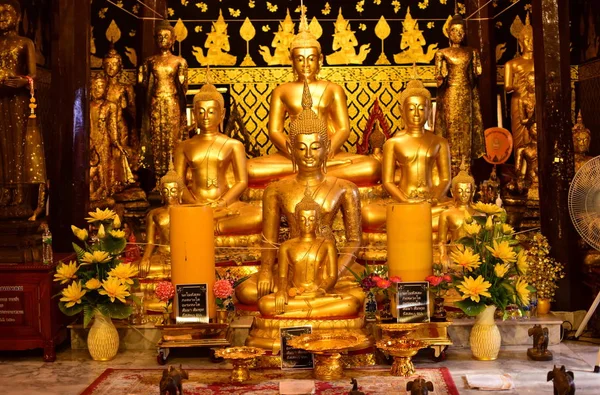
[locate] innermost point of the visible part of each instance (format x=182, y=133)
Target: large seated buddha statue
x=410, y=160
x=208, y=156
x=328, y=103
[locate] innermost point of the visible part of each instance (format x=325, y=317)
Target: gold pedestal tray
x=402, y=350
x=241, y=358
x=326, y=348
x=190, y=335
x=434, y=334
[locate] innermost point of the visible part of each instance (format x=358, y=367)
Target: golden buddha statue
x=581, y=142
x=103, y=130
x=166, y=78
x=17, y=64
x=281, y=42
x=307, y=273
x=515, y=81
x=453, y=218
x=208, y=155
x=217, y=44
x=309, y=148
x=328, y=102
x=458, y=116
x=526, y=165
x=344, y=41
x=409, y=160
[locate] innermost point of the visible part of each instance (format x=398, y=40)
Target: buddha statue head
x=10, y=14
x=209, y=107
x=309, y=142
x=525, y=36
x=308, y=215
x=164, y=35
x=112, y=63
x=98, y=89
x=305, y=51
x=463, y=186
x=581, y=136
x=456, y=29
x=171, y=187
x=415, y=102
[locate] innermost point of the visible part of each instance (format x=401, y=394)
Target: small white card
x=490, y=382
x=297, y=387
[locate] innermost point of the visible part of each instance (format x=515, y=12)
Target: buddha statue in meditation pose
x=307, y=273
x=208, y=156
x=409, y=160
x=581, y=143
x=328, y=103
x=308, y=148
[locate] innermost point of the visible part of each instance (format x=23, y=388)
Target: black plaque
x=192, y=303
x=294, y=358
x=412, y=302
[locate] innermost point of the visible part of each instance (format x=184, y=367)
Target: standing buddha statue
x=209, y=154
x=458, y=116
x=328, y=102
x=166, y=78
x=17, y=64
x=526, y=165
x=515, y=81
x=103, y=130
x=581, y=142
x=409, y=160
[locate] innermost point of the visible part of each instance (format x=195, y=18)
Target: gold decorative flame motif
x=113, y=33
x=247, y=32
x=382, y=31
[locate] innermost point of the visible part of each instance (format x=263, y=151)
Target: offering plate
x=241, y=358
x=398, y=330
x=326, y=348
x=402, y=350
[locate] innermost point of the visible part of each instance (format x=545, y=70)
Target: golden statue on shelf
x=166, y=77
x=281, y=42
x=17, y=66
x=309, y=146
x=581, y=142
x=452, y=219
x=103, y=131
x=412, y=157
x=515, y=79
x=526, y=165
x=458, y=115
x=208, y=155
x=329, y=103
x=412, y=42
x=217, y=42
x=307, y=273
x=344, y=42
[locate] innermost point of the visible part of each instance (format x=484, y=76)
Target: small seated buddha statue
x=581, y=143
x=452, y=219
x=208, y=156
x=409, y=160
x=309, y=148
x=307, y=273
x=328, y=103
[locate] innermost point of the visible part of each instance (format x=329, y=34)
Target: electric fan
x=584, y=208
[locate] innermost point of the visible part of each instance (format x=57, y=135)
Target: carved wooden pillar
x=68, y=164
x=555, y=145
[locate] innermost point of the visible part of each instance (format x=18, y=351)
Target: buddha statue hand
x=281, y=299
x=15, y=82
x=265, y=283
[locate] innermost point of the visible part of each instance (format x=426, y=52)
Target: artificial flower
x=487, y=208
x=434, y=281
x=81, y=234
x=100, y=215
x=464, y=256
x=472, y=229
x=507, y=229
x=468, y=217
x=522, y=264
x=116, y=222
x=503, y=251
x=522, y=291
x=223, y=289
x=93, y=283
x=447, y=278
x=383, y=283
x=395, y=279
x=474, y=288
x=101, y=232
x=72, y=294
x=165, y=291
x=113, y=288
x=500, y=269
x=95, y=257
x=117, y=234
x=489, y=223
x=65, y=273
x=124, y=272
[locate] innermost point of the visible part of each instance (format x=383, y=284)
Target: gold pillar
x=409, y=240
x=193, y=249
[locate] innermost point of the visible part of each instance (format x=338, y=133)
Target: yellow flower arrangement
x=487, y=208
x=474, y=288
x=98, y=282
x=503, y=251
x=472, y=228
x=500, y=269
x=464, y=257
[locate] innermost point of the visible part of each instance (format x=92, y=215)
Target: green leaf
x=356, y=276
x=88, y=314
x=116, y=310
x=79, y=251
x=136, y=300
x=70, y=311
x=470, y=307
x=114, y=245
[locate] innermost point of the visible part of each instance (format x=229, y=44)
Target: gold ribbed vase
x=103, y=339
x=485, y=336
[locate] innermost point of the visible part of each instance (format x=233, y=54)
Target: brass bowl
x=401, y=347
x=239, y=352
x=399, y=330
x=327, y=342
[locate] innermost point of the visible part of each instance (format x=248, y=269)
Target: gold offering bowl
x=398, y=331
x=402, y=350
x=241, y=358
x=327, y=348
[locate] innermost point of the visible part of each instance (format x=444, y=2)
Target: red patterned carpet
x=371, y=381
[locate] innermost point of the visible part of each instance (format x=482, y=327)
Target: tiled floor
x=25, y=373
